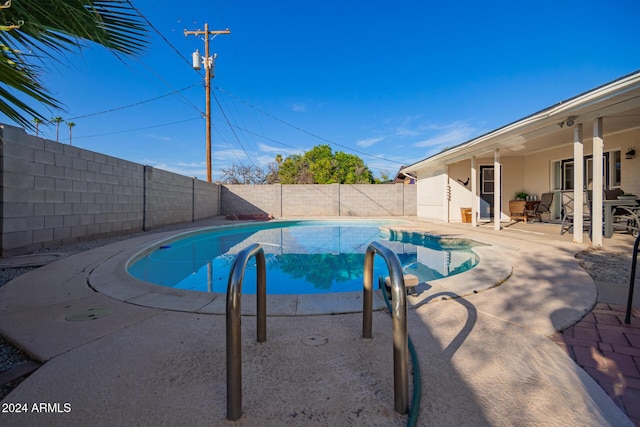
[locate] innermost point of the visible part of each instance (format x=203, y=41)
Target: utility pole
x=208, y=62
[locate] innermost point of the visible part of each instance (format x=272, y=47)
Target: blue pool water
x=302, y=257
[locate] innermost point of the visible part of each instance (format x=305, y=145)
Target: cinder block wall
x=320, y=200
x=237, y=199
x=168, y=198
x=371, y=200
x=54, y=194
x=410, y=200
x=206, y=199
x=311, y=200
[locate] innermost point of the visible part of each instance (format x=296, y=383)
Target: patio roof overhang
x=617, y=102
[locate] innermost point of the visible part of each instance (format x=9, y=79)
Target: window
x=567, y=174
x=563, y=172
x=615, y=168
x=487, y=181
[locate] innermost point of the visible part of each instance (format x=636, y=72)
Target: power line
x=232, y=130
x=304, y=131
x=135, y=104
x=260, y=136
x=251, y=105
x=137, y=129
x=159, y=33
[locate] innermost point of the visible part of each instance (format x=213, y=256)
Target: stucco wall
x=431, y=196
x=460, y=194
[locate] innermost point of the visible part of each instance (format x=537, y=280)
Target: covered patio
x=578, y=145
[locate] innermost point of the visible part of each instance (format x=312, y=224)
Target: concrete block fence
x=54, y=194
x=320, y=200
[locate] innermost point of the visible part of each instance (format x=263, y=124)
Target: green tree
x=321, y=166
x=57, y=121
x=71, y=125
x=37, y=122
x=48, y=28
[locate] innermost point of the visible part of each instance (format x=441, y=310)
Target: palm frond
x=33, y=29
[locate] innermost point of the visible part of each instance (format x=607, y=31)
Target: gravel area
x=607, y=266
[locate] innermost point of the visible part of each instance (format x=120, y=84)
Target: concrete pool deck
x=485, y=358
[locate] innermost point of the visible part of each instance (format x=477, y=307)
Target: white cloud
x=448, y=135
x=265, y=148
x=159, y=137
x=229, y=154
x=197, y=169
x=298, y=107
x=364, y=143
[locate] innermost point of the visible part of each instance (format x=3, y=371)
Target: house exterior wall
x=431, y=195
x=461, y=196
x=630, y=179
x=532, y=174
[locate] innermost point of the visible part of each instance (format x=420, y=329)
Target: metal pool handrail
x=632, y=279
x=234, y=314
x=399, y=313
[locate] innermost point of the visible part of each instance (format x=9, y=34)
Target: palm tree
x=37, y=121
x=70, y=124
x=49, y=29
x=57, y=121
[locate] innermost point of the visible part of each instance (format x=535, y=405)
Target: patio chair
x=568, y=212
x=627, y=218
x=543, y=207
x=613, y=194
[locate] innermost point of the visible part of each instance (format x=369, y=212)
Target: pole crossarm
x=208, y=65
x=206, y=32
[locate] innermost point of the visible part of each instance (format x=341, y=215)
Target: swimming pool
x=302, y=257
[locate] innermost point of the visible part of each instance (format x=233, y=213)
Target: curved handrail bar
x=632, y=279
x=399, y=312
x=234, y=314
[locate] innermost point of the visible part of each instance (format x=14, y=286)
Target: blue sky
x=392, y=82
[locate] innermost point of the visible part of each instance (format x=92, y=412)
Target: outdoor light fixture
x=630, y=153
x=570, y=121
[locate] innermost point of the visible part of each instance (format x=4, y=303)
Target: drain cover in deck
x=315, y=340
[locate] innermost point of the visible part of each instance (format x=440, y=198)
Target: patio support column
x=578, y=180
x=598, y=185
x=474, y=193
x=497, y=190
